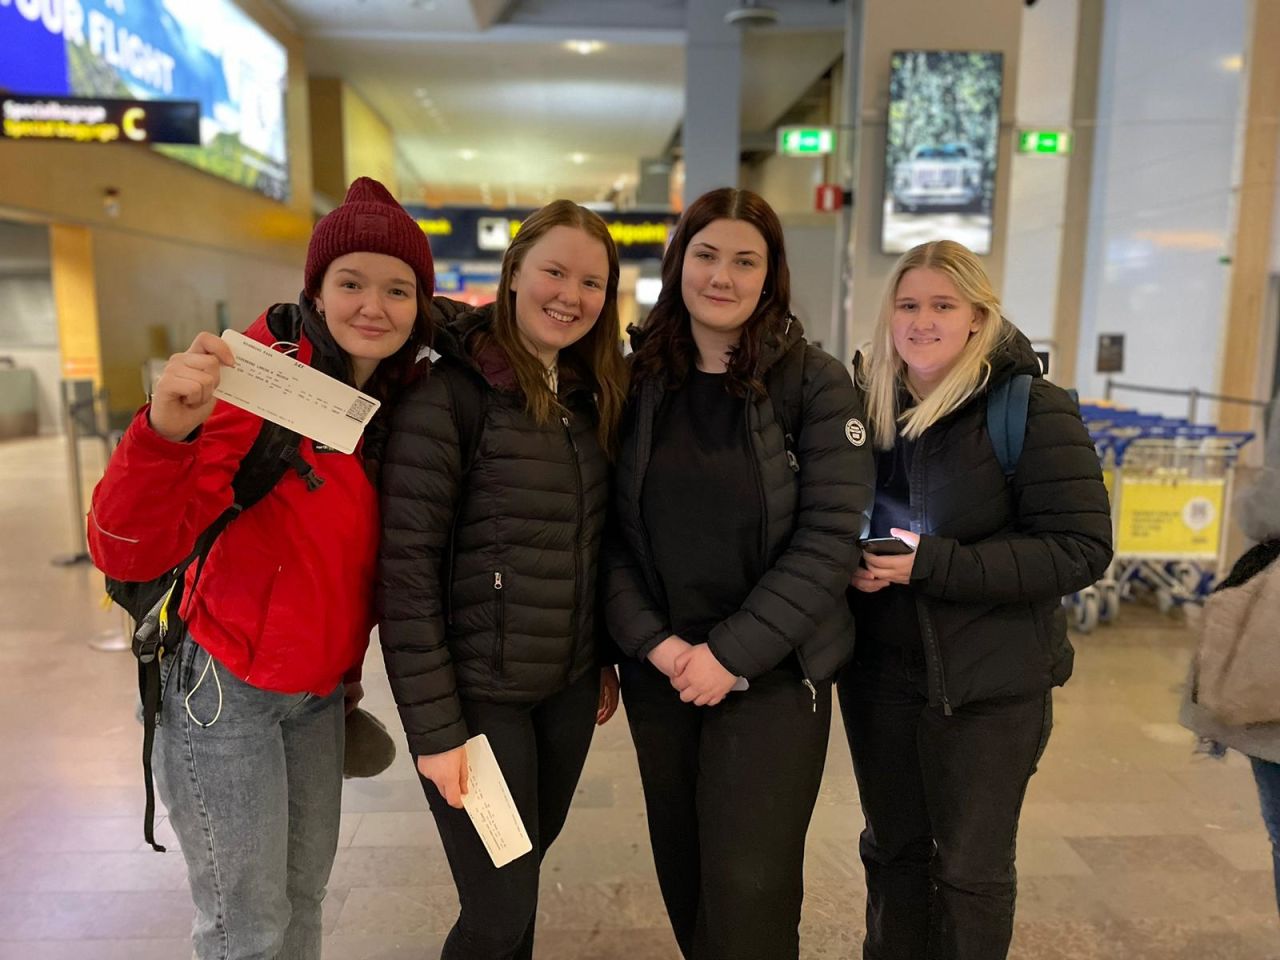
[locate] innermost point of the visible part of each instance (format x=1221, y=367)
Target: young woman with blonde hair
x=491, y=533
x=961, y=636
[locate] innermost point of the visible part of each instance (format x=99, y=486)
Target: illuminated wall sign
x=805, y=141
x=207, y=51
x=1044, y=141
x=85, y=120
x=482, y=233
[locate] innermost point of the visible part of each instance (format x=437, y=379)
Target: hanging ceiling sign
x=483, y=233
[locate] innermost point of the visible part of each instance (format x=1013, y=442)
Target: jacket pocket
x=500, y=620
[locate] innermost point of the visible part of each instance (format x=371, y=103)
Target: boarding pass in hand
x=492, y=809
x=279, y=388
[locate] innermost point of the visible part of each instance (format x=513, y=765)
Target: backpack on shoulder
x=153, y=605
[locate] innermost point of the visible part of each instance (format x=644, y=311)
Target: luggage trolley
x=1170, y=503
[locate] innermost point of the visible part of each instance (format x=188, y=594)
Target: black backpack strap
x=786, y=390
x=467, y=401
x=159, y=633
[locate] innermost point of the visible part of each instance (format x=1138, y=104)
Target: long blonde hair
x=885, y=373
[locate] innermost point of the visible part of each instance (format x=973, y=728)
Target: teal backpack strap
x=1007, y=420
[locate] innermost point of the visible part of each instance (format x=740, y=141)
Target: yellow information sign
x=1164, y=519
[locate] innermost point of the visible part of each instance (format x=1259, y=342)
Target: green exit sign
x=1044, y=141
x=805, y=141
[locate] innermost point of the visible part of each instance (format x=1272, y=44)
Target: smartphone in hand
x=885, y=547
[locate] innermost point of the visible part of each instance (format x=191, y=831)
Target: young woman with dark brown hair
x=738, y=526
x=489, y=555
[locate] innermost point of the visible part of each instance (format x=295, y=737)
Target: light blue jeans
x=254, y=797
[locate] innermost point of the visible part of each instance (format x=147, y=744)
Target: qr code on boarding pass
x=360, y=409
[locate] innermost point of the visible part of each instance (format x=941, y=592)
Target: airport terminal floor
x=1131, y=845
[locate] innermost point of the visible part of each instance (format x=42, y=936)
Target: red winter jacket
x=285, y=601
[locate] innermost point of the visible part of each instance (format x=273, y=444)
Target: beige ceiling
x=489, y=106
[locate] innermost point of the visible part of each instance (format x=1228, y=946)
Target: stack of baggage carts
x=1170, y=483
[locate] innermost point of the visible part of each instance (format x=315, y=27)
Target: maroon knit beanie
x=368, y=221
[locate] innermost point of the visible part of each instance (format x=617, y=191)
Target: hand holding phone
x=885, y=547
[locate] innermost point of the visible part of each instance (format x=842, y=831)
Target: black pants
x=541, y=748
x=941, y=796
x=729, y=791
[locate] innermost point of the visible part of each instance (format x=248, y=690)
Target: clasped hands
x=693, y=670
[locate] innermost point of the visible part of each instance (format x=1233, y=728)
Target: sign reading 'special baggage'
x=89, y=120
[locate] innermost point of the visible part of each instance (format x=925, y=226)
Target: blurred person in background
x=1258, y=510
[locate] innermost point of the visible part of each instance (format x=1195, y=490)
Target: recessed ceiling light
x=467, y=154
x=578, y=157
x=1232, y=64
x=584, y=47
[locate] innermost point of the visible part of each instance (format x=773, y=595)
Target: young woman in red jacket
x=249, y=742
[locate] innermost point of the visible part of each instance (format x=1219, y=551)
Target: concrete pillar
x=1243, y=373
x=1075, y=224
x=890, y=25
x=712, y=99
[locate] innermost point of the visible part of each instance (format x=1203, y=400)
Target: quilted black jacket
x=516, y=620
x=997, y=556
x=811, y=523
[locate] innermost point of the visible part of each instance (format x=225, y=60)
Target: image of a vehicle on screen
x=941, y=148
x=942, y=177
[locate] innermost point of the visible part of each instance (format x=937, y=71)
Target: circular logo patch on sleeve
x=855, y=432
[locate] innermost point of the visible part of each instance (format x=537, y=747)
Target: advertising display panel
x=208, y=51
x=941, y=150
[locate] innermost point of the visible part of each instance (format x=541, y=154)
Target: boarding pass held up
x=283, y=390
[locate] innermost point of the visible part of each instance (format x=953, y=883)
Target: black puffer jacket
x=811, y=523
x=996, y=557
x=516, y=624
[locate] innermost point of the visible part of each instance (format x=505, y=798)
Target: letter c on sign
x=132, y=122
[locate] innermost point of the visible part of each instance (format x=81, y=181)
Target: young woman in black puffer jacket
x=725, y=582
x=491, y=531
x=947, y=703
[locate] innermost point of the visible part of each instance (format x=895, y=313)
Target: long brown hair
x=668, y=348
x=597, y=357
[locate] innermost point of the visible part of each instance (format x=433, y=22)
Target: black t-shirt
x=701, y=505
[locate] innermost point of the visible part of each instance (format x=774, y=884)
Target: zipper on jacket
x=932, y=651
x=764, y=501
x=579, y=605
x=650, y=405
x=813, y=692
x=501, y=639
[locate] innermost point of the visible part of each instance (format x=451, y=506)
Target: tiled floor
x=1131, y=847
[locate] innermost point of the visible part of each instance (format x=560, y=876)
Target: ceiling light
x=1232, y=64
x=467, y=154
x=584, y=47
x=578, y=157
